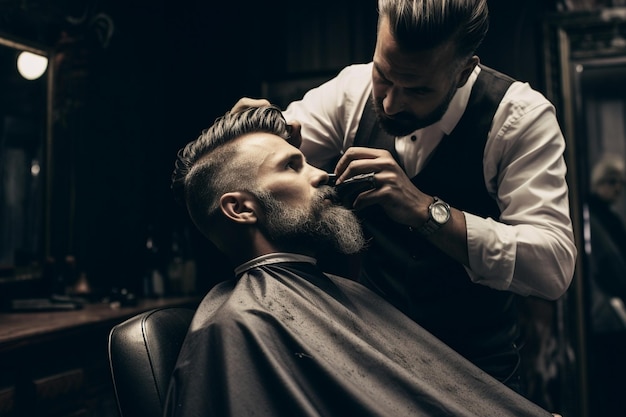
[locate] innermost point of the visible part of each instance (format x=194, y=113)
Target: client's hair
x=206, y=168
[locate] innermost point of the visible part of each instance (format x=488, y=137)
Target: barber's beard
x=403, y=124
x=322, y=224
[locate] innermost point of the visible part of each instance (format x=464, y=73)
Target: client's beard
x=321, y=225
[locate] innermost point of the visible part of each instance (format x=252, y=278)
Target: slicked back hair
x=419, y=25
x=210, y=166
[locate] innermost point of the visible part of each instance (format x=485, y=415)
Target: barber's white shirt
x=530, y=250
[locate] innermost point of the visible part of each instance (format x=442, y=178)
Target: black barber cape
x=285, y=339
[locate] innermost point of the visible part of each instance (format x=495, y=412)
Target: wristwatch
x=438, y=215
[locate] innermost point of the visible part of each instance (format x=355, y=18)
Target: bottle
x=175, y=269
x=189, y=264
x=153, y=280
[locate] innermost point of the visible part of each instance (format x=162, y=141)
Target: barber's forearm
x=452, y=237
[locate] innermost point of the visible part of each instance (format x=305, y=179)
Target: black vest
x=419, y=279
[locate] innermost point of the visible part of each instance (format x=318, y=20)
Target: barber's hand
x=247, y=102
x=394, y=192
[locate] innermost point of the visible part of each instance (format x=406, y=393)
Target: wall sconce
x=31, y=66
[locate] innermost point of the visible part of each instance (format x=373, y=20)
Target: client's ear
x=240, y=207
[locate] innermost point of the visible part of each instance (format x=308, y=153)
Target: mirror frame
x=568, y=39
x=23, y=45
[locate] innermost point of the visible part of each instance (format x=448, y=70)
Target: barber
x=469, y=207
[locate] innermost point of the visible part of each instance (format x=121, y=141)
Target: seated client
x=283, y=338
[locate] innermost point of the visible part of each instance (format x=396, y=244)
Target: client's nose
x=320, y=177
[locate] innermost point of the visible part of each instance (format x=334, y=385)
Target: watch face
x=440, y=213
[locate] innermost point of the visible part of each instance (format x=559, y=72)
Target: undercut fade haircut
x=208, y=167
x=419, y=25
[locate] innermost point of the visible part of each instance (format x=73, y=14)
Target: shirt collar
x=273, y=258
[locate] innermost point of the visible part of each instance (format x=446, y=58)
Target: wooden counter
x=56, y=364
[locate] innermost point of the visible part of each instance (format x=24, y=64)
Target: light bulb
x=31, y=66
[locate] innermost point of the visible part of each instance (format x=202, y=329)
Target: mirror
x=585, y=73
x=24, y=168
x=600, y=97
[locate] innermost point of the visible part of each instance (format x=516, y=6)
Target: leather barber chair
x=142, y=356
